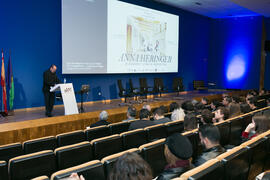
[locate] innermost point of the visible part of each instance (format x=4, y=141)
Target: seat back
x=212, y=169
x=174, y=127
x=236, y=131
x=156, y=132
x=72, y=155
x=91, y=170
x=9, y=151
x=193, y=137
x=32, y=165
x=258, y=155
x=118, y=128
x=224, y=130
x=41, y=144
x=106, y=146
x=97, y=132
x=236, y=163
x=109, y=161
x=3, y=170
x=153, y=154
x=133, y=139
x=267, y=163
x=70, y=138
x=177, y=85
x=41, y=178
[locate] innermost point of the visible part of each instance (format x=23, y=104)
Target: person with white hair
x=103, y=117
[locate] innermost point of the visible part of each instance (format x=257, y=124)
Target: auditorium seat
x=41, y=178
x=174, y=127
x=153, y=154
x=224, y=129
x=212, y=169
x=97, y=132
x=69, y=138
x=40, y=144
x=3, y=170
x=9, y=151
x=118, y=128
x=32, y=165
x=236, y=131
x=133, y=139
x=72, y=155
x=257, y=155
x=236, y=163
x=91, y=170
x=106, y=146
x=109, y=161
x=156, y=132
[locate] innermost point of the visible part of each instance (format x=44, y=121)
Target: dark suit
x=100, y=123
x=140, y=124
x=49, y=79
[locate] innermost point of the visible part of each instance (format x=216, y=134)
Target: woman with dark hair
x=131, y=166
x=190, y=122
x=259, y=125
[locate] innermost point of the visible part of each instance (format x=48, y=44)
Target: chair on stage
x=199, y=85
x=3, y=170
x=91, y=170
x=9, y=151
x=159, y=86
x=32, y=165
x=123, y=93
x=40, y=144
x=72, y=155
x=144, y=88
x=177, y=85
x=133, y=90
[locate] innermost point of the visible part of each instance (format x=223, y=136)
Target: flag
x=3, y=84
x=10, y=84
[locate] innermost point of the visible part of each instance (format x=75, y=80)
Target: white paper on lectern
x=68, y=97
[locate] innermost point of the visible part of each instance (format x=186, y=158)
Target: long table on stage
x=25, y=127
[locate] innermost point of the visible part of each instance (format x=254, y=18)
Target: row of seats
x=242, y=162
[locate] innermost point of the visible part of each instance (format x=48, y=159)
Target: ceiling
x=222, y=8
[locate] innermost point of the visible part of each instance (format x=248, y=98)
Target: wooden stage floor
x=37, y=113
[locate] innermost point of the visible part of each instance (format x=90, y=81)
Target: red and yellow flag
x=3, y=84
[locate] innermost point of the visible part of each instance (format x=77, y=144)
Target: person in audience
x=209, y=136
x=190, y=122
x=249, y=95
x=147, y=106
x=245, y=108
x=234, y=110
x=252, y=103
x=103, y=117
x=164, y=109
x=178, y=152
x=187, y=106
x=226, y=101
x=262, y=92
x=215, y=105
x=207, y=117
x=143, y=122
x=204, y=101
x=259, y=125
x=131, y=166
x=236, y=99
x=159, y=116
x=221, y=114
x=177, y=112
x=264, y=176
x=225, y=95
x=131, y=113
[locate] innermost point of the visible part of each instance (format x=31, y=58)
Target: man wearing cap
x=178, y=152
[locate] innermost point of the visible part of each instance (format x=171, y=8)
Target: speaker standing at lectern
x=49, y=80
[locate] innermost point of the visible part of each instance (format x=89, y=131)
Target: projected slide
x=117, y=37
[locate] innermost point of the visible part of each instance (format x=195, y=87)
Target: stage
x=32, y=123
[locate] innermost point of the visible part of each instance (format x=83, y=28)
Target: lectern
x=68, y=97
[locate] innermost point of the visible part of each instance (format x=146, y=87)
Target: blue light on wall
x=237, y=68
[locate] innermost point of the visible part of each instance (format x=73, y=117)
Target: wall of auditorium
x=267, y=58
x=32, y=31
x=235, y=46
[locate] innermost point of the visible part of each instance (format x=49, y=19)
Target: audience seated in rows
x=204, y=101
x=259, y=125
x=131, y=166
x=252, y=102
x=178, y=152
x=221, y=114
x=143, y=122
x=215, y=105
x=190, y=122
x=209, y=136
x=177, y=112
x=226, y=101
x=207, y=117
x=131, y=113
x=159, y=118
x=147, y=106
x=103, y=117
x=187, y=106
